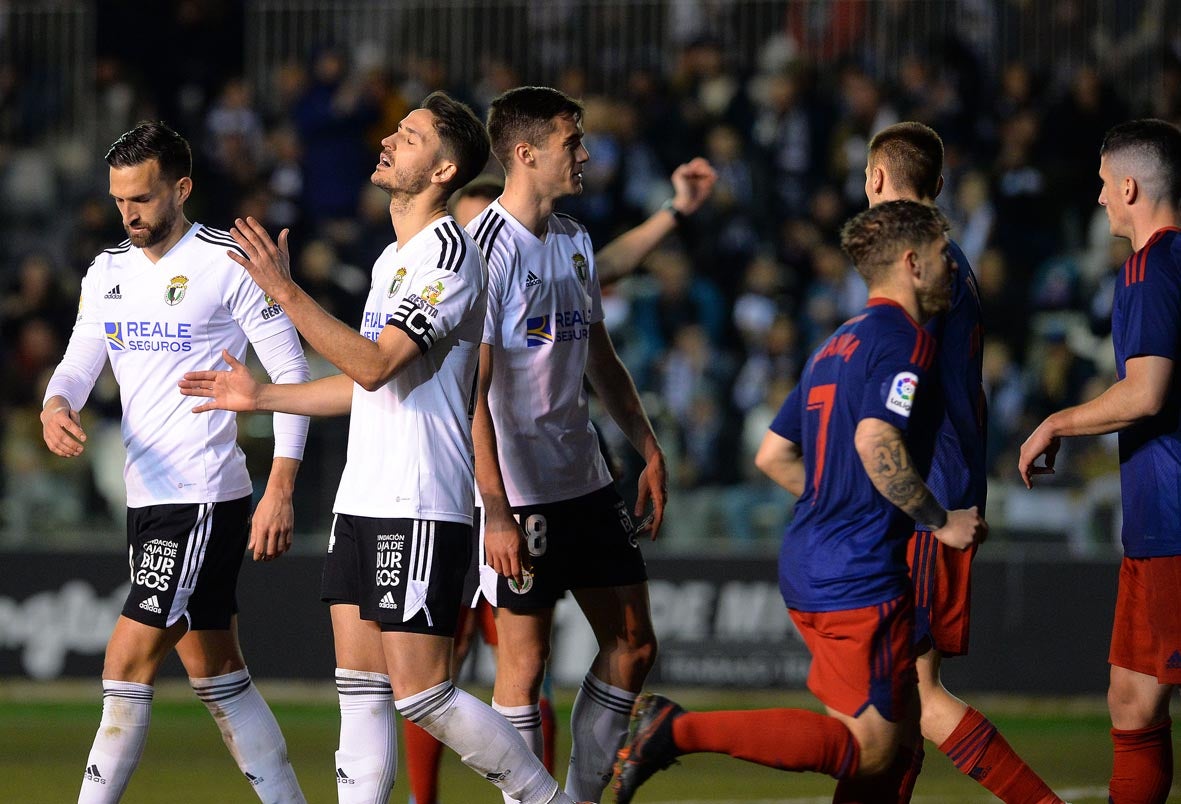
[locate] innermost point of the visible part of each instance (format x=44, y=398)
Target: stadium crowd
x=715, y=326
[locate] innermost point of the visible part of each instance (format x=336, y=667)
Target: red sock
x=979, y=750
x=1143, y=768
x=787, y=739
x=549, y=734
x=423, y=753
x=894, y=786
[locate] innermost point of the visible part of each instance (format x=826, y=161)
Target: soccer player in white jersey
x=165, y=301
x=543, y=333
x=401, y=539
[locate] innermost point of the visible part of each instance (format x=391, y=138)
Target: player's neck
x=528, y=206
x=1161, y=217
x=904, y=297
x=157, y=250
x=411, y=216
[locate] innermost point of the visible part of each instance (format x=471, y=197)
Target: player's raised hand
x=267, y=262
x=1038, y=444
x=963, y=528
x=653, y=486
x=227, y=390
x=693, y=183
x=61, y=427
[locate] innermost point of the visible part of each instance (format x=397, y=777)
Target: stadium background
x=284, y=102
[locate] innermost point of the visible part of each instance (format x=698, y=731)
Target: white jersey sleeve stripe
x=486, y=235
x=231, y=245
x=454, y=247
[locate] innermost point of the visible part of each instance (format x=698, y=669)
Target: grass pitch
x=46, y=731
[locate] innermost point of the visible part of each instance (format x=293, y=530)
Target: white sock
x=484, y=741
x=598, y=727
x=527, y=721
x=367, y=759
x=119, y=743
x=250, y=732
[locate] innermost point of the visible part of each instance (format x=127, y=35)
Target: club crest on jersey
x=177, y=288
x=399, y=275
x=580, y=266
x=432, y=293
x=902, y=392
x=524, y=586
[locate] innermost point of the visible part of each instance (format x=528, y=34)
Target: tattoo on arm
x=894, y=476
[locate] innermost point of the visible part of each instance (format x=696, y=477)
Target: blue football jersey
x=846, y=545
x=1146, y=321
x=959, y=469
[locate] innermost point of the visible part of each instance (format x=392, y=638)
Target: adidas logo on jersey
x=1174, y=661
x=342, y=777
x=152, y=604
x=532, y=280
x=387, y=601
x=92, y=775
x=113, y=293
x=254, y=780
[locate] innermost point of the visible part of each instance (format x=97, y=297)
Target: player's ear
x=939, y=186
x=444, y=172
x=183, y=188
x=523, y=152
x=913, y=264
x=1131, y=190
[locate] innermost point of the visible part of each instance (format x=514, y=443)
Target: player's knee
x=526, y=662
x=1131, y=708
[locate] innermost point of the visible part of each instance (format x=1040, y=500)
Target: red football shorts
x=862, y=657
x=942, y=579
x=1146, y=636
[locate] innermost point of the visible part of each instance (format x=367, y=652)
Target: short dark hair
x=874, y=238
x=488, y=188
x=526, y=114
x=462, y=135
x=913, y=156
x=1156, y=147
x=151, y=139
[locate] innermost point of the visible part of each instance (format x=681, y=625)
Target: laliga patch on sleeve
x=902, y=391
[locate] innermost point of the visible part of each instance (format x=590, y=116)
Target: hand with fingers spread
x=267, y=262
x=693, y=183
x=61, y=428
x=653, y=486
x=235, y=389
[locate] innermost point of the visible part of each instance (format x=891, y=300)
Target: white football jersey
x=158, y=321
x=410, y=441
x=543, y=297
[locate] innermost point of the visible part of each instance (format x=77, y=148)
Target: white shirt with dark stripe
x=154, y=322
x=410, y=441
x=543, y=296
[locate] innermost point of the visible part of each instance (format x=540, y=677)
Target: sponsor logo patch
x=902, y=392
x=538, y=331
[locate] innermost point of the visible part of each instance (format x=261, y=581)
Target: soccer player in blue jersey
x=905, y=161
x=853, y=442
x=1140, y=168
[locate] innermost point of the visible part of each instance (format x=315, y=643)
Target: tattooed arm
x=890, y=468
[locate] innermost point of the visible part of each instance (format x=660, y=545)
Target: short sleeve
x=787, y=422
x=1151, y=308
x=441, y=297
x=898, y=367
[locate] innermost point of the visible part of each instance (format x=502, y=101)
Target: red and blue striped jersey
x=846, y=545
x=1146, y=321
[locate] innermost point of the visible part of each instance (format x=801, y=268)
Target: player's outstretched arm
x=61, y=427
x=781, y=460
x=693, y=183
x=1139, y=395
x=237, y=390
x=504, y=544
x=888, y=463
x=614, y=387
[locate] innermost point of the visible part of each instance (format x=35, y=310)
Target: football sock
x=893, y=786
x=598, y=729
x=527, y=721
x=250, y=732
x=423, y=754
x=122, y=733
x=787, y=739
x=978, y=749
x=367, y=755
x=484, y=741
x=1143, y=769
x=549, y=733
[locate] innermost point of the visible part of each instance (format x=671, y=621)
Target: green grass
x=46, y=730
